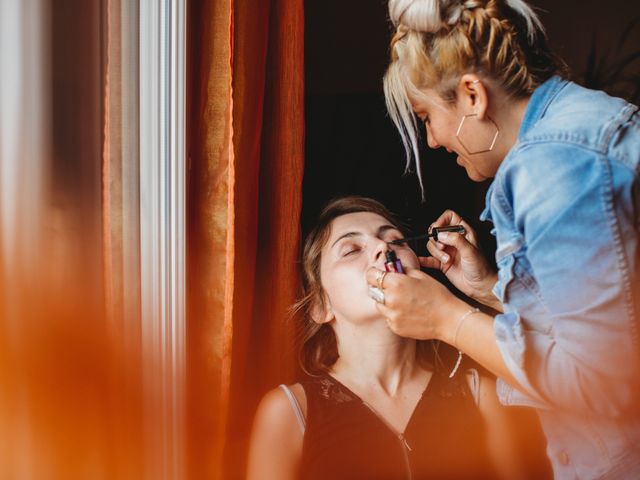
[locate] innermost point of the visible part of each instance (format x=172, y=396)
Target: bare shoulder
x=276, y=439
x=277, y=413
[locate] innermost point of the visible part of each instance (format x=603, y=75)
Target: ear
x=321, y=312
x=473, y=95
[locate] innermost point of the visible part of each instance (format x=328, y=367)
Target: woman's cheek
x=408, y=259
x=343, y=281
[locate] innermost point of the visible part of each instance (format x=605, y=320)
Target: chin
x=364, y=314
x=475, y=176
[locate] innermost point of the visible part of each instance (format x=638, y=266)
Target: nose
x=431, y=140
x=378, y=251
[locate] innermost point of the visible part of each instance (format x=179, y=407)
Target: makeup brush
x=432, y=234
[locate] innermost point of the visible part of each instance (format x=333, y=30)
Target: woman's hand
x=460, y=259
x=416, y=305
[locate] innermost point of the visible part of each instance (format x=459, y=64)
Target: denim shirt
x=565, y=205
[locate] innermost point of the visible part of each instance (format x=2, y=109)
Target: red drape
x=246, y=149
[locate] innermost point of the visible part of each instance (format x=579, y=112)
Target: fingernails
x=445, y=258
x=443, y=235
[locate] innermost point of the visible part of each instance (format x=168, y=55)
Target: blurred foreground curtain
x=245, y=142
x=69, y=402
x=80, y=395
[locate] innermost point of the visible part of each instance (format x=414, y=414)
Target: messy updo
x=436, y=42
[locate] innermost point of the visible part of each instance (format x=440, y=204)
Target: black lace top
x=345, y=439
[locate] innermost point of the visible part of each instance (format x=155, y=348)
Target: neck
x=373, y=355
x=509, y=118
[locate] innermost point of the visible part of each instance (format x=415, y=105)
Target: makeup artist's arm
x=515, y=441
x=418, y=306
x=276, y=440
x=460, y=259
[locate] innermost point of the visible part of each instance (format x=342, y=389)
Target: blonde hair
x=436, y=42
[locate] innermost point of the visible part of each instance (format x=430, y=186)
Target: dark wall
x=352, y=146
x=347, y=41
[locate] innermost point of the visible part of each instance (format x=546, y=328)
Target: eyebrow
x=381, y=230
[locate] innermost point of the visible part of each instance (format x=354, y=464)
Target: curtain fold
x=246, y=135
x=55, y=365
x=210, y=245
x=121, y=236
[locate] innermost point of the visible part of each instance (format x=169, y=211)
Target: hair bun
x=425, y=15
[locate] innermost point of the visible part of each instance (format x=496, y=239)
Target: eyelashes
x=350, y=245
x=351, y=252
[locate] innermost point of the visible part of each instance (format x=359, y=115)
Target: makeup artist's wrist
x=486, y=296
x=449, y=323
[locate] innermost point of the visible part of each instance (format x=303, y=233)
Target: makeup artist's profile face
x=357, y=242
x=441, y=120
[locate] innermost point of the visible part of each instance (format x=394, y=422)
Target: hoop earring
x=480, y=150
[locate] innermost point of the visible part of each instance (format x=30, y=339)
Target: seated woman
x=377, y=405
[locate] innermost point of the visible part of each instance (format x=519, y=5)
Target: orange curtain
x=121, y=244
x=57, y=371
x=246, y=154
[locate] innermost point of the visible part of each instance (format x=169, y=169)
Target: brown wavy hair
x=318, y=346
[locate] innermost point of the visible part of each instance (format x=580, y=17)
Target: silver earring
x=459, y=134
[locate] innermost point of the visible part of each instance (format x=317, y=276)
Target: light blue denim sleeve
x=579, y=353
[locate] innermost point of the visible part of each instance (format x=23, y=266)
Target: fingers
x=417, y=273
x=373, y=276
x=384, y=310
x=449, y=217
x=430, y=262
x=434, y=244
x=457, y=241
x=393, y=283
x=437, y=251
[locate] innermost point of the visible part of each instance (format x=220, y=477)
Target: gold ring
x=380, y=279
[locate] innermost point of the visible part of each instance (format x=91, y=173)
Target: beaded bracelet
x=455, y=339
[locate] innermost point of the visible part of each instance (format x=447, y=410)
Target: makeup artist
x=565, y=198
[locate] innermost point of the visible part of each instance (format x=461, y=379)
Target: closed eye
x=392, y=235
x=351, y=252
